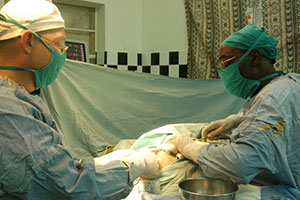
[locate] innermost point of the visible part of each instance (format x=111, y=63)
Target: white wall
x=164, y=25
x=145, y=25
x=139, y=27
x=123, y=25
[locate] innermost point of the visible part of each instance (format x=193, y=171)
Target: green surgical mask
x=46, y=75
x=236, y=84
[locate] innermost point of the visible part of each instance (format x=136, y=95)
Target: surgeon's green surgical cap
x=245, y=38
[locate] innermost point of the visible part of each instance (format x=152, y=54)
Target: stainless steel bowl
x=209, y=189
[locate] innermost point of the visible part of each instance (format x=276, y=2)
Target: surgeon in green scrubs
x=35, y=163
x=264, y=148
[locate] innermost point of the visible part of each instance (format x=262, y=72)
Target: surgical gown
x=34, y=162
x=264, y=147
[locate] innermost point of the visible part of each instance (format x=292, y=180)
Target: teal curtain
x=96, y=107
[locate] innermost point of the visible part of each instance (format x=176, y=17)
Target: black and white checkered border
x=172, y=63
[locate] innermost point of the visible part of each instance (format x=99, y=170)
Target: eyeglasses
x=224, y=63
x=62, y=47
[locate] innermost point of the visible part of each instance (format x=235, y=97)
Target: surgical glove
x=186, y=146
x=152, y=164
x=116, y=155
x=140, y=163
x=220, y=127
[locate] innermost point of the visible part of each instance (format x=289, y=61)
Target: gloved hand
x=141, y=163
x=116, y=155
x=151, y=164
x=186, y=146
x=217, y=128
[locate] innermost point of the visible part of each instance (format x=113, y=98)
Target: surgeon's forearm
x=237, y=161
x=211, y=172
x=113, y=180
x=110, y=181
x=217, y=166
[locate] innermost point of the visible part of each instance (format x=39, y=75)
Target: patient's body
x=165, y=158
x=173, y=169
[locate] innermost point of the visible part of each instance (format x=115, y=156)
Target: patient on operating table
x=173, y=169
x=164, y=155
x=167, y=153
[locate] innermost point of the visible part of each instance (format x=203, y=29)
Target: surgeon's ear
x=256, y=57
x=27, y=41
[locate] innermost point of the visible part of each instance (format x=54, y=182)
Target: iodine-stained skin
x=165, y=158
